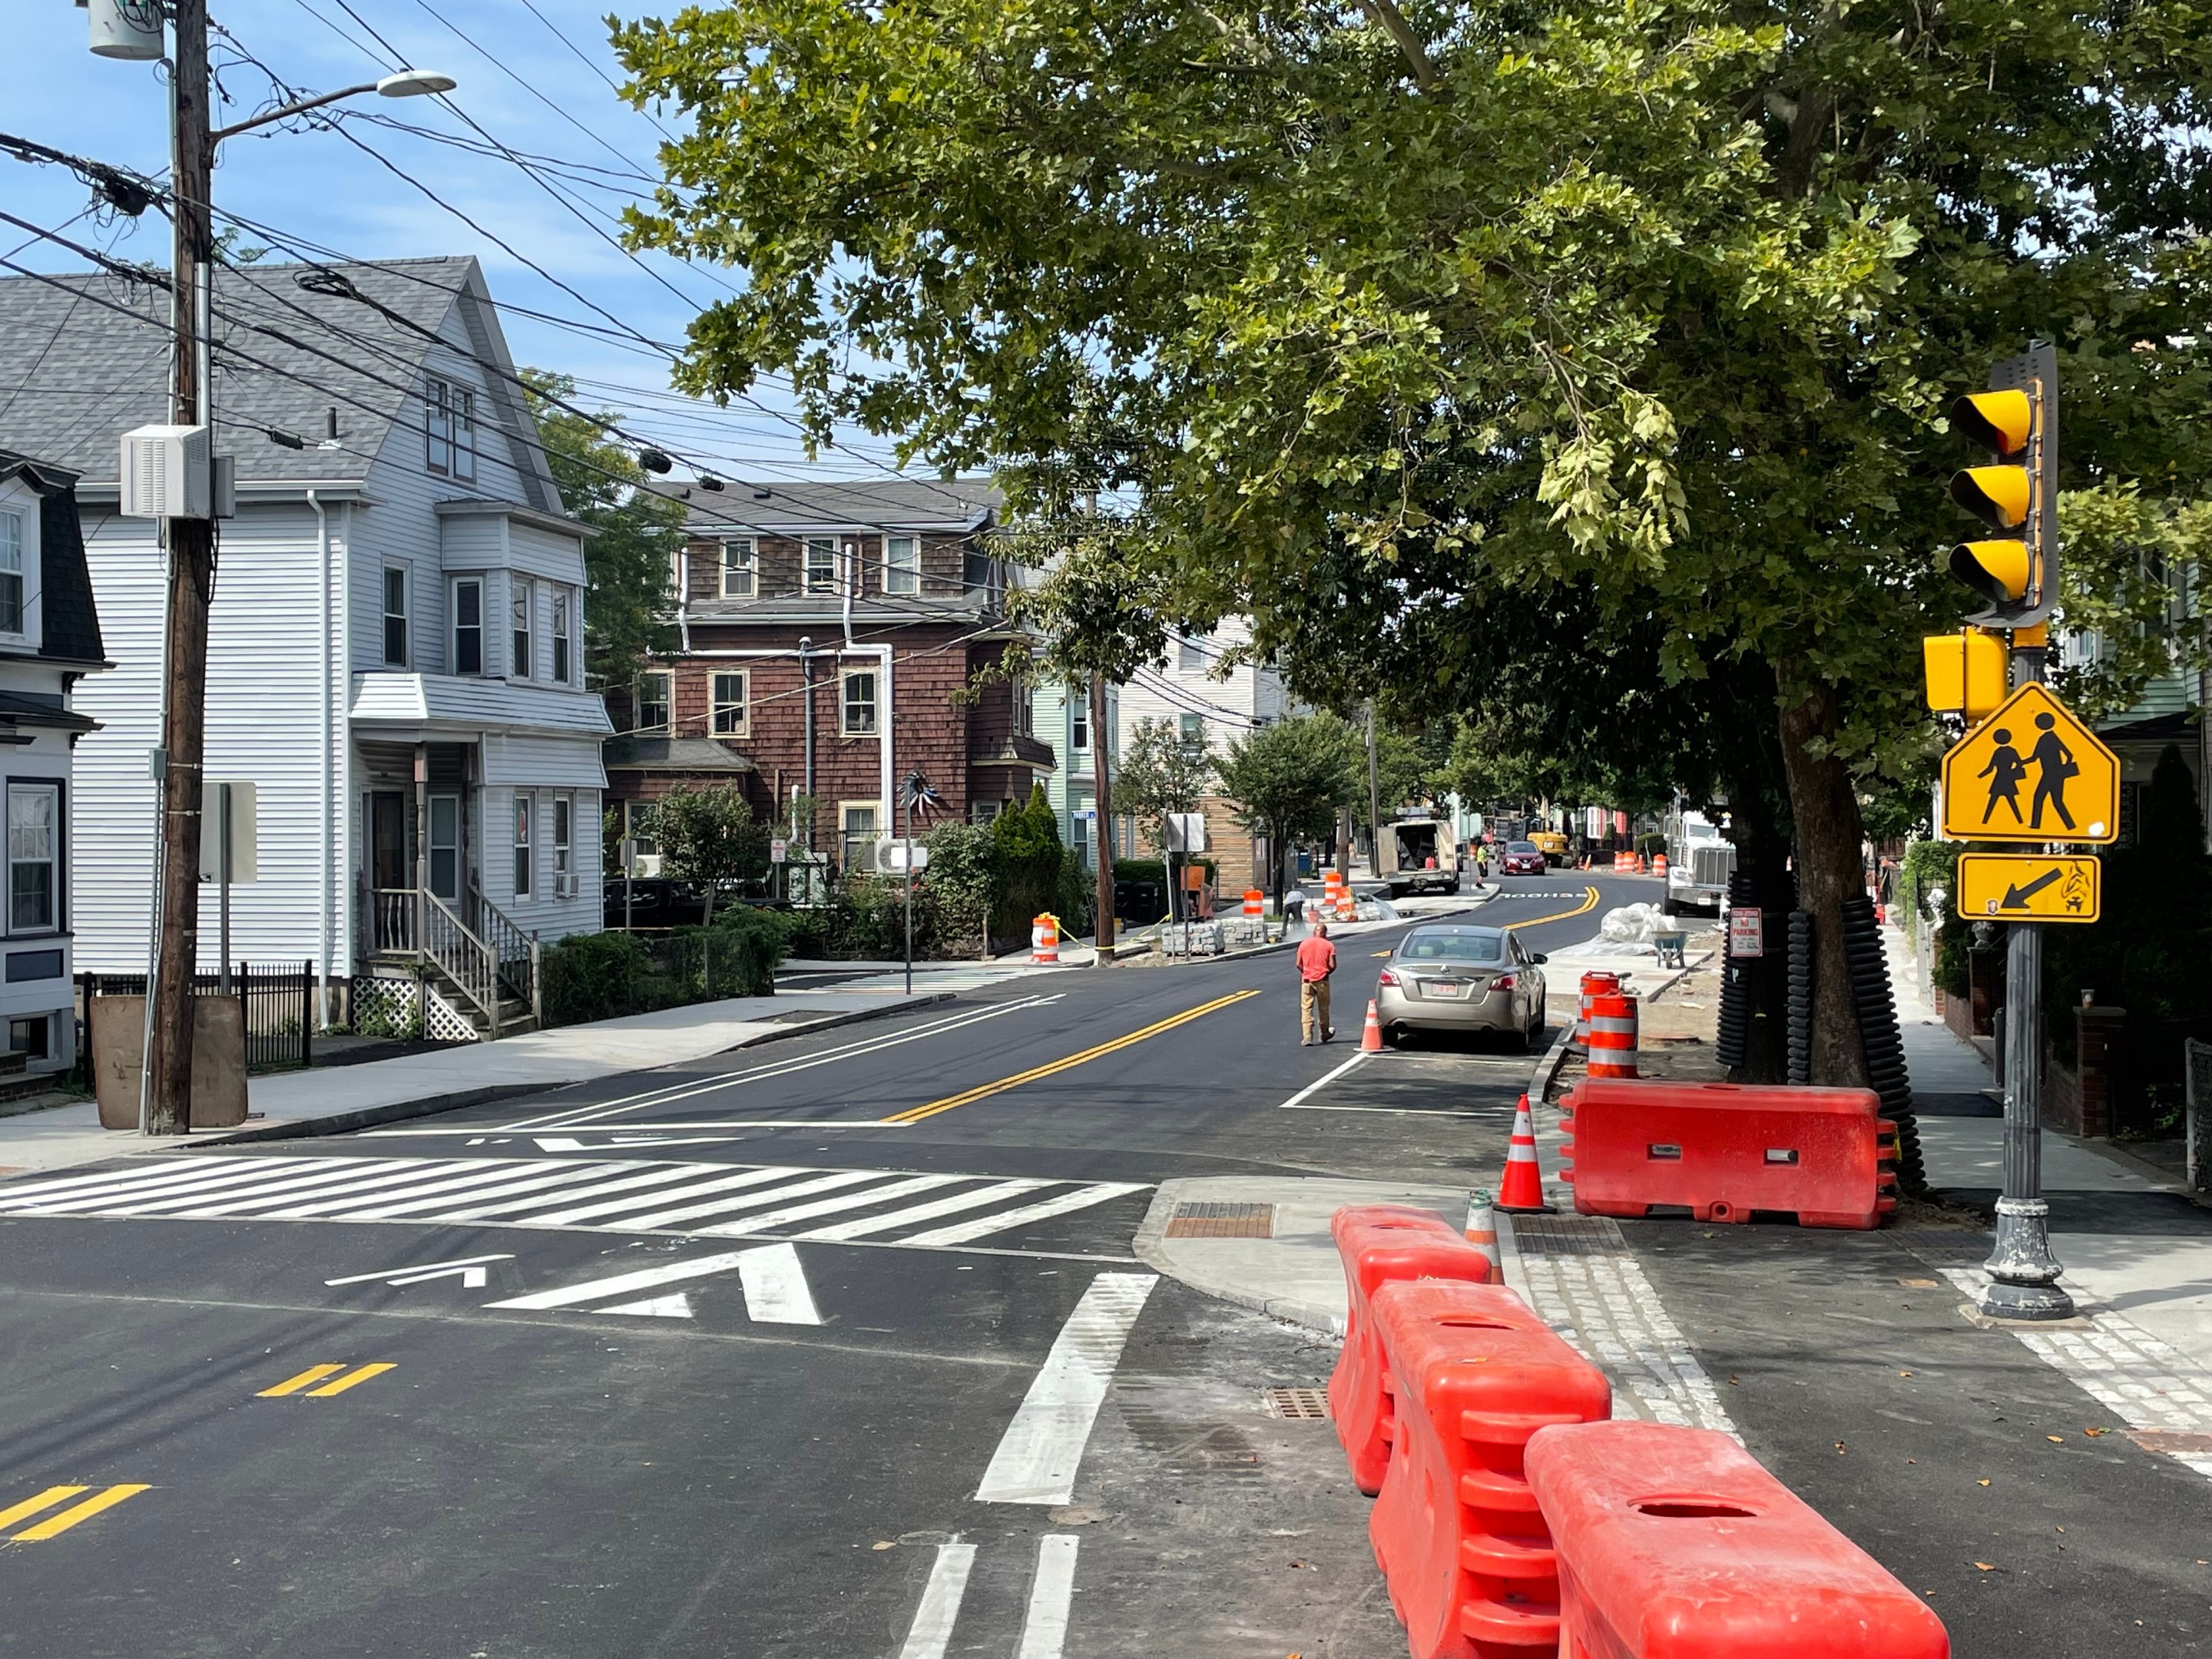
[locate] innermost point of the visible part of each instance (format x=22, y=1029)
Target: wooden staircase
x=490, y=972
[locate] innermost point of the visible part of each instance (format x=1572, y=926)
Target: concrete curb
x=1547, y=1069
x=369, y=1117
x=1147, y=1247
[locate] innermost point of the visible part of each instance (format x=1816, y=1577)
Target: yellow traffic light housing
x=2015, y=577
x=1966, y=672
x=2000, y=421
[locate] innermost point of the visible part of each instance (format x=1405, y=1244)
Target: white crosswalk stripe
x=624, y=1195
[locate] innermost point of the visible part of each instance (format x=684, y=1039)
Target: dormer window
x=449, y=426
x=11, y=573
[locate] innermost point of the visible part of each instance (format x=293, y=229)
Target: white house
x=396, y=650
x=49, y=640
x=1213, y=701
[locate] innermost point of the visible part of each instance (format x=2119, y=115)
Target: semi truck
x=1700, y=859
x=1417, y=855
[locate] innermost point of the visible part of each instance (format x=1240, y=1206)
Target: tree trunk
x=1830, y=867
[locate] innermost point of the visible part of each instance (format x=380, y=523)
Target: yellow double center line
x=916, y=1113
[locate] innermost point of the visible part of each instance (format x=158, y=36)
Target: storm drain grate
x=1301, y=1405
x=1212, y=1220
x=1568, y=1234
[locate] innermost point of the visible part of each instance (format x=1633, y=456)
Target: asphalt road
x=764, y=1355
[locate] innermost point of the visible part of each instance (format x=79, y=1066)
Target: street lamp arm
x=299, y=106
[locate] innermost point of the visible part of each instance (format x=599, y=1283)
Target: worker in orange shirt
x=1316, y=962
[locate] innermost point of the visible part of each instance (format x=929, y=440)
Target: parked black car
x=652, y=902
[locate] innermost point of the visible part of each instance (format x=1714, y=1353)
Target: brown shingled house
x=827, y=634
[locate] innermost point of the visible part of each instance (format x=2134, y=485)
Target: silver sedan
x=1448, y=976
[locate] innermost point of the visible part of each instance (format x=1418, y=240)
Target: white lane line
x=786, y=1216
x=703, y=1178
x=574, y=1116
x=930, y=1633
x=645, y=1278
x=1081, y=1199
x=1321, y=1083
x=827, y=1183
x=1501, y=1113
x=1037, y=1456
x=992, y=1193
x=775, y=1287
x=1044, y=1630
x=401, y=1275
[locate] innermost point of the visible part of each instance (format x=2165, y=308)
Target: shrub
x=588, y=976
x=748, y=944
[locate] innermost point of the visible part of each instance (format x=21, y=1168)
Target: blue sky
x=535, y=84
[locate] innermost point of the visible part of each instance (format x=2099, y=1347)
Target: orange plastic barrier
x=1611, y=1034
x=1675, y=1544
x=1722, y=1151
x=1463, y=1548
x=1382, y=1244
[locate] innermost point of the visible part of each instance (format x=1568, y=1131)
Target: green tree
x=1287, y=781
x=627, y=598
x=1161, y=774
x=1387, y=316
x=708, y=835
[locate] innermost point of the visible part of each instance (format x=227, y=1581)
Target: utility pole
x=191, y=589
x=1374, y=799
x=1102, y=801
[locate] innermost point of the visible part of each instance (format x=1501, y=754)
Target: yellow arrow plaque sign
x=2029, y=887
x=2031, y=772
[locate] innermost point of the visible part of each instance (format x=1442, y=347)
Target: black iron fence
x=280, y=1010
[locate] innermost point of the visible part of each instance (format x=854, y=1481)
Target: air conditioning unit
x=166, y=473
x=564, y=884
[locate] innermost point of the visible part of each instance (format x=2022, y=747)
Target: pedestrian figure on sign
x=2005, y=770
x=2057, y=764
x=1316, y=962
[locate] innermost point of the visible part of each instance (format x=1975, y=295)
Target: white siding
x=543, y=913
x=262, y=707
x=1228, y=706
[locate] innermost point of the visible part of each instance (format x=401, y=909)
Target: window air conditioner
x=166, y=473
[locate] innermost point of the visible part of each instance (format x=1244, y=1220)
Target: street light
x=132, y=30
x=407, y=83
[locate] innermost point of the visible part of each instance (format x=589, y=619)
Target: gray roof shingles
x=75, y=376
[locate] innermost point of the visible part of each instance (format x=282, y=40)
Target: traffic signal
x=2015, y=574
x=1967, y=671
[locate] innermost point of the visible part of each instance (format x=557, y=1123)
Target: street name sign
x=2031, y=772
x=2029, y=887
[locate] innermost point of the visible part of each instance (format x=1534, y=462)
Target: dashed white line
x=1044, y=1630
x=930, y=1634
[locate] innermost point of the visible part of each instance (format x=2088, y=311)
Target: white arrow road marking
x=1044, y=1630
x=678, y=1306
x=1038, y=1455
x=932, y=1631
x=469, y=1270
x=775, y=1287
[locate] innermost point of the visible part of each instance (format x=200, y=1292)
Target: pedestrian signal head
x=1966, y=672
x=1999, y=421
x=1998, y=570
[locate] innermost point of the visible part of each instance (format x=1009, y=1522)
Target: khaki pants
x=1313, y=1009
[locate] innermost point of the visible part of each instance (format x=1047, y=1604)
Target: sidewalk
x=285, y=1104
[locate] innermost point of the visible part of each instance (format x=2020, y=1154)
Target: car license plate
x=1448, y=988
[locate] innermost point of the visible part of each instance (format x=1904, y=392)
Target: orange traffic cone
x=1370, y=1040
x=1522, y=1189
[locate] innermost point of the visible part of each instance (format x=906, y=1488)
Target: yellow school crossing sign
x=2028, y=887
x=2031, y=772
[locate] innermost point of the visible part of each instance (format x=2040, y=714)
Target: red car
x=1523, y=858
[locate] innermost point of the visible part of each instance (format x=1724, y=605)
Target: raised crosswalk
x=899, y=1206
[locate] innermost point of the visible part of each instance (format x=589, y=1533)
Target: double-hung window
x=729, y=703
x=463, y=405
x=526, y=859
x=395, y=616
x=11, y=573
x=903, y=564
x=652, y=690
x=34, y=829
x=820, y=564
x=858, y=822
x=1194, y=732
x=859, y=704
x=562, y=604
x=1190, y=657
x=738, y=572
x=1079, y=727
x=468, y=626
x=519, y=663
x=449, y=428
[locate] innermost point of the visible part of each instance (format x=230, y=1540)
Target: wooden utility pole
x=192, y=588
x=1102, y=799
